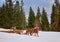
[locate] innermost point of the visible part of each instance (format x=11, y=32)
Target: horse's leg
x=37, y=35
x=26, y=32
x=30, y=34
x=34, y=34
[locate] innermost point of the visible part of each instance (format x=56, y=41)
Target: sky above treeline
x=47, y=4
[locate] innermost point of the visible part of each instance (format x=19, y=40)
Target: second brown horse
x=31, y=31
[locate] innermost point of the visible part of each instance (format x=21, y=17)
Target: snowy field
x=44, y=36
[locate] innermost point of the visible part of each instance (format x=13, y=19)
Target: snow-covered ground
x=44, y=36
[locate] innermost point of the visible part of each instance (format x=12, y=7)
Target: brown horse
x=32, y=31
x=28, y=31
x=35, y=31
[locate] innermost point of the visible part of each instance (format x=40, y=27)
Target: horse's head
x=37, y=28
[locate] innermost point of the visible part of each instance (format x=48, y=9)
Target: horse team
x=32, y=31
x=29, y=31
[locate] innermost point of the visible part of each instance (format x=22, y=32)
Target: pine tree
x=6, y=17
x=17, y=16
x=44, y=20
x=54, y=20
x=23, y=18
x=52, y=15
x=31, y=18
x=55, y=23
x=2, y=16
x=58, y=14
x=38, y=18
x=10, y=12
x=59, y=20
